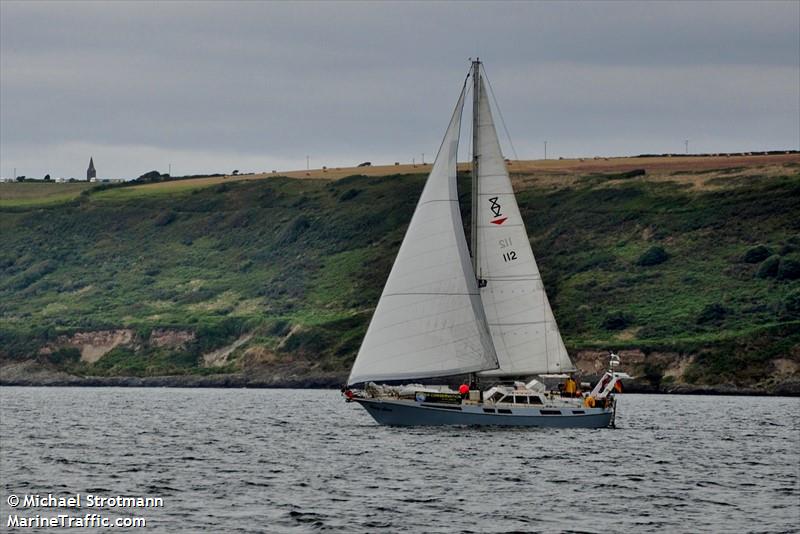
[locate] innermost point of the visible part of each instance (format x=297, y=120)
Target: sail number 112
x=507, y=256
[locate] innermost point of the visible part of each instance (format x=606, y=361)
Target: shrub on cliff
x=713, y=313
x=616, y=321
x=32, y=274
x=310, y=340
x=653, y=256
x=791, y=304
x=349, y=195
x=279, y=328
x=64, y=355
x=653, y=373
x=756, y=254
x=789, y=269
x=769, y=268
x=148, y=177
x=293, y=230
x=164, y=218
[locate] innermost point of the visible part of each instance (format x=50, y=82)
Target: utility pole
x=686, y=142
x=423, y=158
x=545, y=150
x=170, y=170
x=308, y=159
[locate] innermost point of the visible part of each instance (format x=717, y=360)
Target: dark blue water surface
x=239, y=460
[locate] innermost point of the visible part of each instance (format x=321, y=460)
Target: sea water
x=249, y=460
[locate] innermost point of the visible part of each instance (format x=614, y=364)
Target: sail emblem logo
x=495, y=207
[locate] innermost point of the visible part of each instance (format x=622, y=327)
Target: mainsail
x=523, y=328
x=429, y=321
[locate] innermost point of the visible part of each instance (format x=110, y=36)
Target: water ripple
x=303, y=461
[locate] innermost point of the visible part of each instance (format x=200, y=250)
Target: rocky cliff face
x=666, y=372
x=92, y=345
x=251, y=365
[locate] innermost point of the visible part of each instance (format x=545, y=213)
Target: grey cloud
x=354, y=81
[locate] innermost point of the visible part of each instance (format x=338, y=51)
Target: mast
x=476, y=93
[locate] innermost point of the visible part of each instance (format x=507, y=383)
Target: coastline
x=25, y=374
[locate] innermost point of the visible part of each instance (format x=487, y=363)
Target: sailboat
x=450, y=309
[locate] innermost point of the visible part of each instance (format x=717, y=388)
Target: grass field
x=695, y=170
x=13, y=194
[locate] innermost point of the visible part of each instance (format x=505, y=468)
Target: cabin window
x=520, y=400
x=502, y=410
x=535, y=400
x=550, y=412
x=497, y=396
x=578, y=412
x=488, y=410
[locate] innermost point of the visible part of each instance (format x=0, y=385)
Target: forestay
x=522, y=325
x=429, y=321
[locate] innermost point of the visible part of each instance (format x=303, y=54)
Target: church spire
x=90, y=172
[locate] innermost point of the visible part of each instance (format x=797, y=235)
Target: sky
x=204, y=87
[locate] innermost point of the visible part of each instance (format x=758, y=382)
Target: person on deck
x=570, y=387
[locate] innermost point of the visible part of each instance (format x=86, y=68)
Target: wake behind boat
x=448, y=309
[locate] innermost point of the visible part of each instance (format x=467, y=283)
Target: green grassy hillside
x=703, y=264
